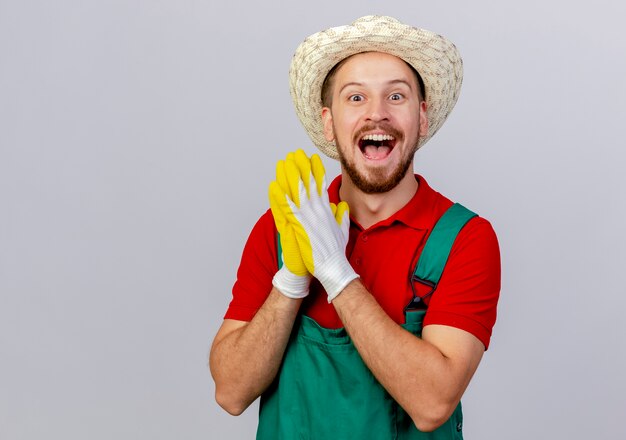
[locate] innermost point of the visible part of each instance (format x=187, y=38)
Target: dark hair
x=327, y=85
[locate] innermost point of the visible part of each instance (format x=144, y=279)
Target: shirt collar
x=418, y=213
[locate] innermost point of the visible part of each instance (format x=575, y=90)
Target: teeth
x=378, y=137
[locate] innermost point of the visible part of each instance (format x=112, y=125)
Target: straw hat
x=436, y=59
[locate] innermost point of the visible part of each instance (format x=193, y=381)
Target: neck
x=369, y=209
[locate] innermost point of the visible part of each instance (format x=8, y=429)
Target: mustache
x=387, y=128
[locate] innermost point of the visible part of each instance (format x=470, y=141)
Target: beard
x=377, y=180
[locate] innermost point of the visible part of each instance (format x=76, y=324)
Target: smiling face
x=376, y=119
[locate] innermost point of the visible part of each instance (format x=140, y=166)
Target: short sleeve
x=468, y=291
x=256, y=270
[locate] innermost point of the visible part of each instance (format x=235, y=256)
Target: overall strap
x=280, y=251
x=437, y=248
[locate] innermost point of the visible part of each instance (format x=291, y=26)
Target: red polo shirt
x=385, y=256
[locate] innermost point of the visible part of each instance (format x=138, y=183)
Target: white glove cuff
x=290, y=285
x=335, y=274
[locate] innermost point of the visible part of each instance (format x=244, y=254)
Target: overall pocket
x=343, y=400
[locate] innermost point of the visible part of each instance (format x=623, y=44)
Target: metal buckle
x=417, y=302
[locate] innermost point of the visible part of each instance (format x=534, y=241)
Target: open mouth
x=377, y=146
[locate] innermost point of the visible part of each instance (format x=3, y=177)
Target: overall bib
x=324, y=390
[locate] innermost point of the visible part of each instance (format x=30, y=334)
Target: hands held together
x=313, y=231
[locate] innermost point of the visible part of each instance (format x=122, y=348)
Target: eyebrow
x=392, y=82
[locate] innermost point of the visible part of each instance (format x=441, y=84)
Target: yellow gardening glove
x=288, y=180
x=300, y=199
x=293, y=279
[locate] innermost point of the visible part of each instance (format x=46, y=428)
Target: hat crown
x=376, y=19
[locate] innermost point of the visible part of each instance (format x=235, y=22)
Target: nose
x=377, y=110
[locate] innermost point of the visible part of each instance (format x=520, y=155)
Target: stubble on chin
x=376, y=181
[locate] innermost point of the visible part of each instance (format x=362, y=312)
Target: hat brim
x=435, y=58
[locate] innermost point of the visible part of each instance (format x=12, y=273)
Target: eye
x=355, y=98
x=396, y=97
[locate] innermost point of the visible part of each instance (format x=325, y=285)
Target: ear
x=327, y=120
x=423, y=129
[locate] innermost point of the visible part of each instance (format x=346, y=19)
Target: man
x=349, y=326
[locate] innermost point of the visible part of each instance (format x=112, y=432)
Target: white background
x=137, y=139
